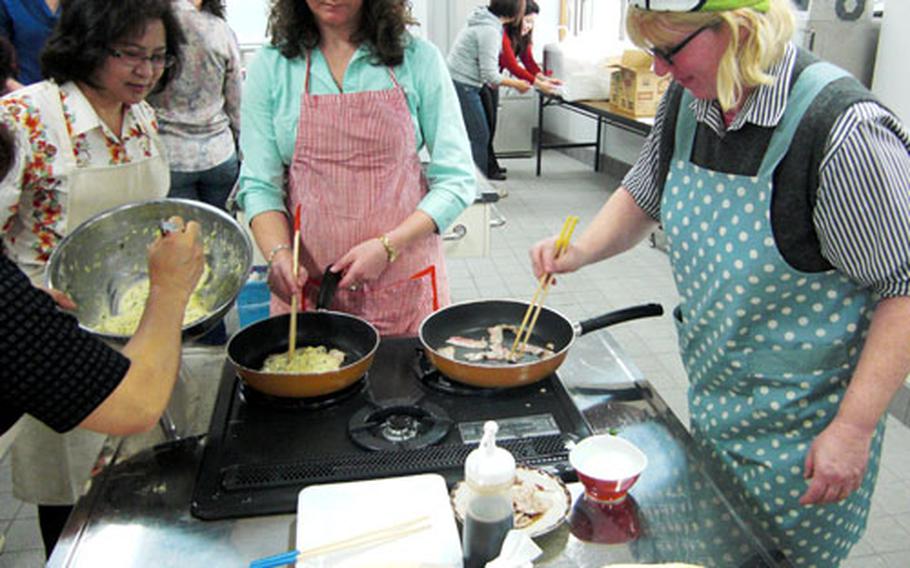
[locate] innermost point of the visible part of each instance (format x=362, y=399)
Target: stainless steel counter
x=137, y=511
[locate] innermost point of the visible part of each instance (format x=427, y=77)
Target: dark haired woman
x=517, y=56
x=341, y=102
x=199, y=112
x=87, y=142
x=474, y=63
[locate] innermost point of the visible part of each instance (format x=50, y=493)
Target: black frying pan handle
x=619, y=316
x=327, y=288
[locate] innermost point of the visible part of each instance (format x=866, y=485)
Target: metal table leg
x=540, y=98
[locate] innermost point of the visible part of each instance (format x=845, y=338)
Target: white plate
x=336, y=511
x=551, y=488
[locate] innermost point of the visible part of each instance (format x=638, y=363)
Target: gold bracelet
x=390, y=251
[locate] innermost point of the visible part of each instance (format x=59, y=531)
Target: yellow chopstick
x=546, y=288
x=534, y=308
x=524, y=321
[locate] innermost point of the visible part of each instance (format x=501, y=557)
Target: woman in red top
x=516, y=39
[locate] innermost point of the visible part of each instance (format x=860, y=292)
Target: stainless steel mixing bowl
x=107, y=254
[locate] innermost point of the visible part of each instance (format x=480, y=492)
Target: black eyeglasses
x=135, y=59
x=667, y=54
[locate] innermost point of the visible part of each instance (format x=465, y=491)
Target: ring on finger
x=353, y=287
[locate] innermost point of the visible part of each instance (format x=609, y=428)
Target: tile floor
x=535, y=208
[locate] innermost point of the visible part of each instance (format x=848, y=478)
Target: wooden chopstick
x=546, y=288
x=371, y=537
x=292, y=339
x=540, y=286
x=537, y=301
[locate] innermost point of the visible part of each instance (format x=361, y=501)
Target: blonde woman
x=784, y=190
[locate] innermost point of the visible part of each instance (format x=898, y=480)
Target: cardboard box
x=634, y=87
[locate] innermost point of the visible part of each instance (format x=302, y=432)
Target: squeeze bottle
x=489, y=473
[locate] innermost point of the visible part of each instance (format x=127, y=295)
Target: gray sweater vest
x=796, y=177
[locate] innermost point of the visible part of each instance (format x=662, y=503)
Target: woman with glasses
x=784, y=189
x=87, y=141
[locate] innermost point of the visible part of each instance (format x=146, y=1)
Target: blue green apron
x=769, y=350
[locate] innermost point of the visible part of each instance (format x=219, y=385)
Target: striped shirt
x=865, y=234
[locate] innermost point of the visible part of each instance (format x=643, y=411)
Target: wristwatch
x=390, y=251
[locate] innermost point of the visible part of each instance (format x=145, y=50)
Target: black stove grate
x=258, y=457
x=538, y=451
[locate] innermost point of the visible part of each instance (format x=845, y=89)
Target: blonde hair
x=745, y=63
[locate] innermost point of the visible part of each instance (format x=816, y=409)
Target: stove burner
x=252, y=396
x=431, y=377
x=398, y=425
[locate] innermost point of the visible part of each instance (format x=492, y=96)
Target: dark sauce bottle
x=485, y=527
x=489, y=474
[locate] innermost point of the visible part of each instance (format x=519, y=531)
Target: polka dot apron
x=769, y=350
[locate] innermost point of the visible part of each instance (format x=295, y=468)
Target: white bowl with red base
x=607, y=466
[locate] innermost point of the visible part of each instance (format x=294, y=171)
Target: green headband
x=699, y=5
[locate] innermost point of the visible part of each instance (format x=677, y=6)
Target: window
x=595, y=17
x=248, y=19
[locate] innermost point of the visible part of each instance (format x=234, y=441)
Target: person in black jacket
x=65, y=377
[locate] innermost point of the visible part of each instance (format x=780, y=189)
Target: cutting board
x=336, y=511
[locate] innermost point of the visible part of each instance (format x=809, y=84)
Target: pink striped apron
x=356, y=174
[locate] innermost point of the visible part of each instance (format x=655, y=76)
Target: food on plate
x=492, y=348
x=128, y=310
x=540, y=501
x=529, y=502
x=310, y=359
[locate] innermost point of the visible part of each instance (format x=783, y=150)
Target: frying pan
x=249, y=347
x=553, y=330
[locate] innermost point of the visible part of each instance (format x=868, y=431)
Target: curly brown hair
x=383, y=23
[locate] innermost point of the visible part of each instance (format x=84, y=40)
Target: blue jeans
x=475, y=121
x=212, y=186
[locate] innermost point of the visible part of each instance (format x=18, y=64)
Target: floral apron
x=356, y=174
x=51, y=468
x=769, y=350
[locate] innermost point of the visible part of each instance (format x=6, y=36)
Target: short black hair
x=80, y=42
x=506, y=8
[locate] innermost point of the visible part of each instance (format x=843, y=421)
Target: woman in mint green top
x=352, y=161
x=271, y=109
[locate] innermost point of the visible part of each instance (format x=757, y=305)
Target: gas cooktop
x=402, y=418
